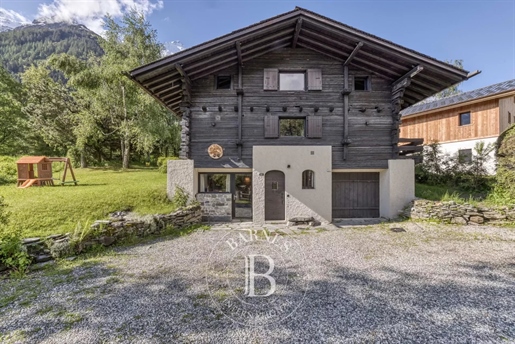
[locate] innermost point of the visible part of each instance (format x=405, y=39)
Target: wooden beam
x=146, y=90
x=182, y=73
x=345, y=140
x=238, y=51
x=337, y=52
x=353, y=53
x=320, y=51
x=298, y=27
x=409, y=75
x=263, y=52
x=165, y=88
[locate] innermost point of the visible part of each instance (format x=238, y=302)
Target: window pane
x=292, y=127
x=291, y=81
x=223, y=82
x=361, y=83
x=308, y=179
x=465, y=155
x=214, y=183
x=465, y=118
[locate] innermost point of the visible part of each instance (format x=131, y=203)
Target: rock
x=397, y=230
x=2, y=267
x=477, y=219
x=43, y=258
x=29, y=241
x=494, y=216
x=106, y=240
x=459, y=220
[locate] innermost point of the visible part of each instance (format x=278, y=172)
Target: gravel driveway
x=431, y=283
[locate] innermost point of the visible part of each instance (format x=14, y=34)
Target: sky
x=481, y=33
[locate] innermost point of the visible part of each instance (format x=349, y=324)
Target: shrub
x=505, y=186
x=180, y=198
x=7, y=170
x=12, y=253
x=162, y=162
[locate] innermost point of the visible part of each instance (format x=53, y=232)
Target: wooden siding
x=506, y=113
x=443, y=126
x=355, y=195
x=370, y=130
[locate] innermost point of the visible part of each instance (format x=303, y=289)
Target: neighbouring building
x=459, y=122
x=295, y=116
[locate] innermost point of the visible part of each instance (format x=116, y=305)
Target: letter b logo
x=250, y=275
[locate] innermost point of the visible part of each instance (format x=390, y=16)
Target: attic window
x=223, y=82
x=361, y=83
x=292, y=81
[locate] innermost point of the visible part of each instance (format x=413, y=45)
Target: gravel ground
x=431, y=283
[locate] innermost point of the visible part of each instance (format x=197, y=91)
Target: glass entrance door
x=242, y=196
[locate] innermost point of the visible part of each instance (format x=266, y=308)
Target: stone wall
x=216, y=207
x=463, y=214
x=121, y=225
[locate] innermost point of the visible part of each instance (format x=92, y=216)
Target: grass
x=442, y=193
x=40, y=211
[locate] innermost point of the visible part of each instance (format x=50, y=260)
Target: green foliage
x=163, y=161
x=12, y=120
x=180, y=198
x=41, y=211
x=8, y=173
x=12, y=253
x=28, y=45
x=453, y=171
x=505, y=185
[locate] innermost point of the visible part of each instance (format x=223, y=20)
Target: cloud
x=11, y=18
x=91, y=12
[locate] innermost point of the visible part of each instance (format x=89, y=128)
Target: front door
x=274, y=195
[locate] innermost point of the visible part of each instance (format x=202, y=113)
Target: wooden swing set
x=37, y=171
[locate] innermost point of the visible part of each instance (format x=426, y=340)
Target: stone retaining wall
x=463, y=214
x=216, y=207
x=121, y=225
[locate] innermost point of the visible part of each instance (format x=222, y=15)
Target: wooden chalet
x=303, y=108
x=459, y=122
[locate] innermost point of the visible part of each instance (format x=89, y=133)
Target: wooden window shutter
x=314, y=79
x=271, y=127
x=271, y=79
x=314, y=124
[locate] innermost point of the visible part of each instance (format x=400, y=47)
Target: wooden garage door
x=355, y=194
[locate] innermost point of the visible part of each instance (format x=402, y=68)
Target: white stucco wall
x=396, y=187
x=299, y=202
x=181, y=173
x=452, y=148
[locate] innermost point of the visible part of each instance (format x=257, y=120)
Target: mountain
x=9, y=20
x=172, y=47
x=24, y=45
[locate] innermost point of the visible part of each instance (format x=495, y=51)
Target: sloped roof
x=390, y=61
x=483, y=92
x=31, y=160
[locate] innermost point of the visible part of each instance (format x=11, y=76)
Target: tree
x=51, y=109
x=12, y=119
x=117, y=107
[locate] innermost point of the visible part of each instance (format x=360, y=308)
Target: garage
x=355, y=195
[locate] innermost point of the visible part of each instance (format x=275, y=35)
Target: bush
x=442, y=169
x=162, y=162
x=181, y=198
x=7, y=170
x=12, y=253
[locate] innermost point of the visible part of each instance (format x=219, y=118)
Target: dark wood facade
x=361, y=126
x=369, y=118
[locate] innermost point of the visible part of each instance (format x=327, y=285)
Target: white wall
x=181, y=173
x=298, y=202
x=396, y=187
x=452, y=148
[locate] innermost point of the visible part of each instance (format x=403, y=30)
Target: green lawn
x=40, y=211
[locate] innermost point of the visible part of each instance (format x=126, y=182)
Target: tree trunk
x=83, y=163
x=126, y=154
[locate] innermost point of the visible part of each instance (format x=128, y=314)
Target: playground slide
x=27, y=183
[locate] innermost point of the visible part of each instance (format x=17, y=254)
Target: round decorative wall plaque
x=215, y=151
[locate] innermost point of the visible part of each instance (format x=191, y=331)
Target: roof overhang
x=164, y=78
